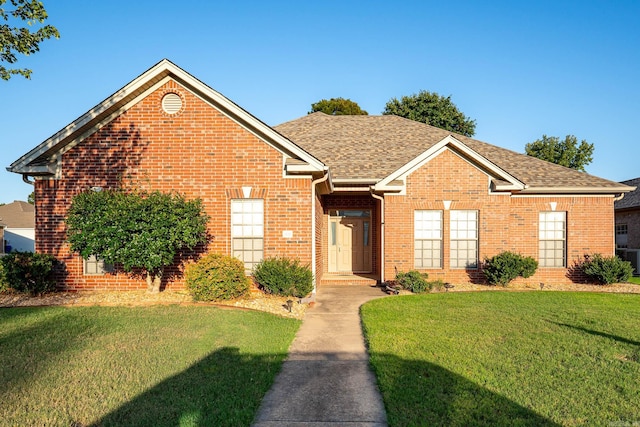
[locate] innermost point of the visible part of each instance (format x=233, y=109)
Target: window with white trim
x=247, y=231
x=463, y=235
x=95, y=266
x=427, y=231
x=553, y=239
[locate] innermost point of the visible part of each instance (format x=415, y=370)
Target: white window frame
x=427, y=238
x=95, y=266
x=247, y=231
x=552, y=237
x=463, y=239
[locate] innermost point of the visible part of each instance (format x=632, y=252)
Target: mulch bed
x=258, y=300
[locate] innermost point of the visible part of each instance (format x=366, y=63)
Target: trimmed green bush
x=606, y=270
x=29, y=272
x=4, y=286
x=414, y=281
x=216, y=277
x=506, y=266
x=283, y=276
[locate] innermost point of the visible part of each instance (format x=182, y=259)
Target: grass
x=162, y=365
x=634, y=279
x=507, y=358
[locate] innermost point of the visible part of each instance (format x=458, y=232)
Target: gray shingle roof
x=17, y=215
x=372, y=147
x=632, y=199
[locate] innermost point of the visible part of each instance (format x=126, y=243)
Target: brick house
x=355, y=197
x=627, y=225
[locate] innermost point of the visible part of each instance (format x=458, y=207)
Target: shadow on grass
x=222, y=389
x=27, y=351
x=418, y=393
x=598, y=333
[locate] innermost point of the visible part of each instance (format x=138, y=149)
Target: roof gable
x=42, y=160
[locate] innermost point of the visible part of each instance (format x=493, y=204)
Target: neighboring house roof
x=43, y=160
x=630, y=200
x=374, y=147
x=17, y=215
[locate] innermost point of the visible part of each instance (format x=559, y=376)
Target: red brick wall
x=505, y=223
x=199, y=153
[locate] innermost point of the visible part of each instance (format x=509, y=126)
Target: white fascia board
x=437, y=149
x=169, y=70
x=237, y=113
x=573, y=190
x=87, y=117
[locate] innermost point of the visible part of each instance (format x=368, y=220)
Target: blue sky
x=520, y=69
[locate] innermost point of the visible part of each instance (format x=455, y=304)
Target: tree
x=565, y=153
x=432, y=109
x=32, y=198
x=337, y=107
x=14, y=39
x=135, y=230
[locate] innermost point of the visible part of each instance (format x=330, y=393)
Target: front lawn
x=507, y=358
x=634, y=279
x=162, y=365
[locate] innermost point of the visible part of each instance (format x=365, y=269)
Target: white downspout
x=313, y=229
x=375, y=196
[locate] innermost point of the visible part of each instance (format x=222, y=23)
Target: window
x=427, y=230
x=95, y=266
x=464, y=239
x=552, y=235
x=247, y=231
x=621, y=236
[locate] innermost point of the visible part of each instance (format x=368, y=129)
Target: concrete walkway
x=326, y=380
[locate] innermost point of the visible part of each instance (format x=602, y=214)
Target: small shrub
x=436, y=285
x=414, y=281
x=282, y=276
x=606, y=270
x=4, y=286
x=29, y=272
x=506, y=266
x=216, y=277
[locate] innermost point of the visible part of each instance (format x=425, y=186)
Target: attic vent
x=171, y=103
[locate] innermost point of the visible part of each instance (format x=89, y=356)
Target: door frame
x=367, y=250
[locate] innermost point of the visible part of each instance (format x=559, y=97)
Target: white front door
x=350, y=242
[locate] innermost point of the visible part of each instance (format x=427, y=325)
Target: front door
x=350, y=241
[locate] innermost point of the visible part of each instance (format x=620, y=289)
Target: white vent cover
x=171, y=103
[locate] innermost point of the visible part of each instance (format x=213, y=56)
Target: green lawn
x=635, y=280
x=163, y=365
x=507, y=358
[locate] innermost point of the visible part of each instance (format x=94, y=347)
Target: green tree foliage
x=135, y=230
x=565, y=153
x=432, y=109
x=32, y=198
x=337, y=107
x=22, y=40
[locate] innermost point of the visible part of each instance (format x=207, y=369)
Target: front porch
x=349, y=240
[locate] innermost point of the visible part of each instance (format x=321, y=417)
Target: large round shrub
x=216, y=277
x=29, y=272
x=506, y=266
x=282, y=276
x=606, y=270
